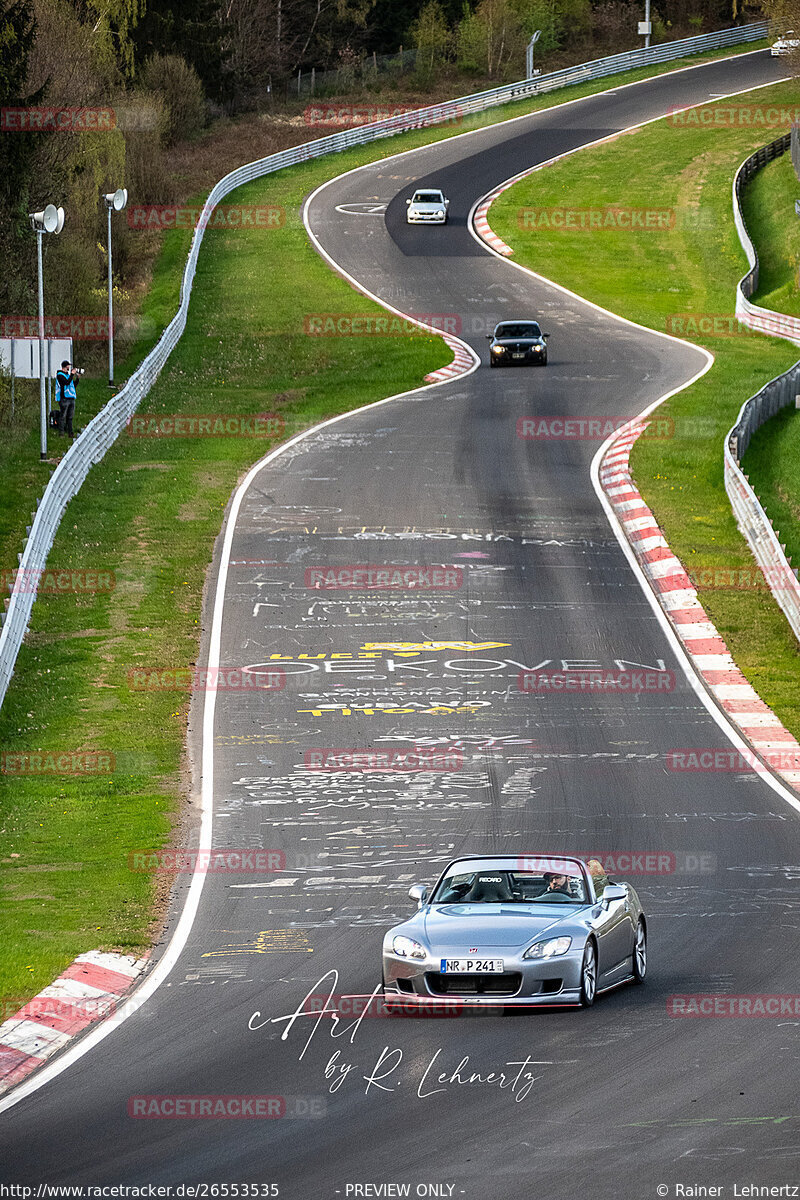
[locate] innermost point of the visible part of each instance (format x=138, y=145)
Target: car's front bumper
x=524, y=983
x=530, y=358
x=425, y=219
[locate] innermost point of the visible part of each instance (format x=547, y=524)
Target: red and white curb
x=87, y=991
x=705, y=648
x=463, y=361
x=480, y=220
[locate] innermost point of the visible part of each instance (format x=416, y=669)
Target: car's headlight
x=440, y=212
x=405, y=947
x=551, y=949
x=498, y=349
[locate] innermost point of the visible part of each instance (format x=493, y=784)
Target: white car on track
x=785, y=44
x=428, y=206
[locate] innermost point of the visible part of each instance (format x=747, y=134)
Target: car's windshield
x=519, y=330
x=515, y=882
x=427, y=197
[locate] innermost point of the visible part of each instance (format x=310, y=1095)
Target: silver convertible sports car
x=517, y=930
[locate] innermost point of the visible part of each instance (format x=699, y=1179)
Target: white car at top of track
x=428, y=206
x=785, y=44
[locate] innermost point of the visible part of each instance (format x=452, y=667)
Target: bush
x=170, y=77
x=147, y=178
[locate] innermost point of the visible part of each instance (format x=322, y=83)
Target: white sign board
x=645, y=27
x=25, y=361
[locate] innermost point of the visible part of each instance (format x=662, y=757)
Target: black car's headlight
x=498, y=349
x=405, y=947
x=549, y=949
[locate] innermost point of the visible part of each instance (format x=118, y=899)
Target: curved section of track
x=604, y=1102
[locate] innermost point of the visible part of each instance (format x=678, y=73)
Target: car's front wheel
x=589, y=976
x=640, y=953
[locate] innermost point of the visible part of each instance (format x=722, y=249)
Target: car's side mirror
x=545, y=335
x=418, y=892
x=490, y=337
x=408, y=201
x=612, y=893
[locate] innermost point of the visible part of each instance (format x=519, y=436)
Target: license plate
x=472, y=966
x=517, y=355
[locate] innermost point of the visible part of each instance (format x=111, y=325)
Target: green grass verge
x=150, y=513
x=650, y=276
x=774, y=227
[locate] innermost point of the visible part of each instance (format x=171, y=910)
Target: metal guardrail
x=752, y=315
x=103, y=430
x=795, y=144
x=762, y=538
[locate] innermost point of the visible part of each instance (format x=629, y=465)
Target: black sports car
x=517, y=344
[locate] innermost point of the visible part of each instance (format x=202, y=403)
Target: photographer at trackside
x=66, y=395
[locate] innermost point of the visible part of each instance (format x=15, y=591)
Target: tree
x=17, y=35
x=431, y=37
x=491, y=37
x=112, y=23
x=195, y=31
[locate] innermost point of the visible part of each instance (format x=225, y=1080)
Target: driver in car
x=555, y=883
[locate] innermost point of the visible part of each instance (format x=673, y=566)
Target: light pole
x=115, y=202
x=529, y=54
x=646, y=26
x=49, y=220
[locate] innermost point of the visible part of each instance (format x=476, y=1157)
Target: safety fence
x=103, y=430
x=763, y=539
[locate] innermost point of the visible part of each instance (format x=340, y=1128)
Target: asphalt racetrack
x=611, y=1102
